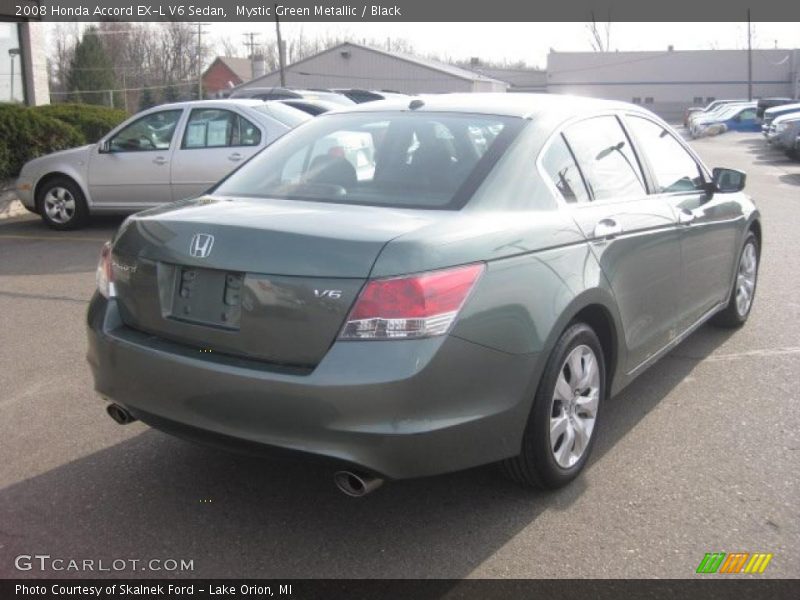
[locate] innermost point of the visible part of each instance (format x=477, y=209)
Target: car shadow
x=154, y=496
x=791, y=178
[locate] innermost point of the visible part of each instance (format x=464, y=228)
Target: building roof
x=241, y=67
x=517, y=76
x=427, y=63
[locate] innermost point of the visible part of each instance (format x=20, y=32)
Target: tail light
x=104, y=275
x=416, y=306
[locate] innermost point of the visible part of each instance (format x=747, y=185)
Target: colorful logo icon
x=734, y=562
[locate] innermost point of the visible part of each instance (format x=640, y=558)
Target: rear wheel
x=744, y=288
x=559, y=435
x=62, y=204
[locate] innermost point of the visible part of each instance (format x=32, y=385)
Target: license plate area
x=207, y=297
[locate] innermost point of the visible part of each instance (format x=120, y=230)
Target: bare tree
x=600, y=35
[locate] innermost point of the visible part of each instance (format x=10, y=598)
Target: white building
x=23, y=61
x=670, y=81
x=350, y=65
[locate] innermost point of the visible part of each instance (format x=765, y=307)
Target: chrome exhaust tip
x=356, y=484
x=120, y=414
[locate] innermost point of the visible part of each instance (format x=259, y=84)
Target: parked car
x=279, y=93
x=765, y=103
x=510, y=262
x=699, y=110
x=714, y=113
x=795, y=152
x=312, y=107
x=360, y=96
x=783, y=130
x=773, y=113
x=166, y=153
x=735, y=117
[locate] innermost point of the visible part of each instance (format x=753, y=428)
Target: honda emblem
x=201, y=244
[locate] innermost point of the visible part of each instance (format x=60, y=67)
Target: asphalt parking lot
x=701, y=454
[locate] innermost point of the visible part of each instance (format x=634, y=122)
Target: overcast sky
x=531, y=41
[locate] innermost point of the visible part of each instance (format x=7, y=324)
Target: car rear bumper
x=399, y=409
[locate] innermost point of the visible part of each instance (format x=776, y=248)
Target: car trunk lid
x=271, y=280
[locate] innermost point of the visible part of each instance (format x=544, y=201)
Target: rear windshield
x=288, y=115
x=400, y=159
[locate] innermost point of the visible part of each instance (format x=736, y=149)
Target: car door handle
x=607, y=229
x=160, y=160
x=235, y=157
x=685, y=217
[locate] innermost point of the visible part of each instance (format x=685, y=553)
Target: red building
x=226, y=72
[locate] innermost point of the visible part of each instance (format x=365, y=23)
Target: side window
x=606, y=159
x=215, y=128
x=747, y=115
x=151, y=132
x=673, y=167
x=563, y=172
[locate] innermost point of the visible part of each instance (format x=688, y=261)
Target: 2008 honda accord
x=413, y=288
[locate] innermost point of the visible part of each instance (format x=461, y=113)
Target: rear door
x=133, y=171
x=633, y=235
x=709, y=223
x=214, y=142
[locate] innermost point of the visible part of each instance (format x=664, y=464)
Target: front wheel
x=62, y=204
x=744, y=288
x=559, y=435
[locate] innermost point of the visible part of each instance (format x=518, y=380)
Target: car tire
x=793, y=153
x=543, y=464
x=736, y=312
x=61, y=204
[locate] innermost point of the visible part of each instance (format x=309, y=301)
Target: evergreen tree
x=171, y=93
x=147, y=99
x=91, y=70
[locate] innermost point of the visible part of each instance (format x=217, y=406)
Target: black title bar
x=401, y=10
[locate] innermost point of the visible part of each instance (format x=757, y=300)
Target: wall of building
x=668, y=82
x=216, y=78
x=364, y=69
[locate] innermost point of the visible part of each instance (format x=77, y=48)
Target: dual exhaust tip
x=351, y=483
x=120, y=414
x=356, y=484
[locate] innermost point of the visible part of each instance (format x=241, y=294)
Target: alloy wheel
x=746, y=279
x=574, y=407
x=59, y=204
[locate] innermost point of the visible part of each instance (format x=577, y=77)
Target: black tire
x=66, y=189
x=536, y=465
x=730, y=317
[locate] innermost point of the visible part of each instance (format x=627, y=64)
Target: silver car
x=166, y=153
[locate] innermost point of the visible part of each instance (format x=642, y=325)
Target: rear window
x=415, y=160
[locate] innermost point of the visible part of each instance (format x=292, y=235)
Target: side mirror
x=104, y=147
x=727, y=181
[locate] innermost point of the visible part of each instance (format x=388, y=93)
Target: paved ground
x=701, y=454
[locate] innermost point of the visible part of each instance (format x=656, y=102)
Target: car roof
x=212, y=103
x=782, y=107
x=498, y=103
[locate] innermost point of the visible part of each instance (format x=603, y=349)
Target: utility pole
x=281, y=58
x=251, y=44
x=200, y=33
x=749, y=58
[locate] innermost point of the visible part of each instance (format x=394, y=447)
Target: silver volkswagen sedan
x=166, y=153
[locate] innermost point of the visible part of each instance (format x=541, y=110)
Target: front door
x=709, y=224
x=131, y=170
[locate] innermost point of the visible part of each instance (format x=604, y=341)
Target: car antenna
x=415, y=104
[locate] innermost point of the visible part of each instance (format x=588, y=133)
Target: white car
x=169, y=152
